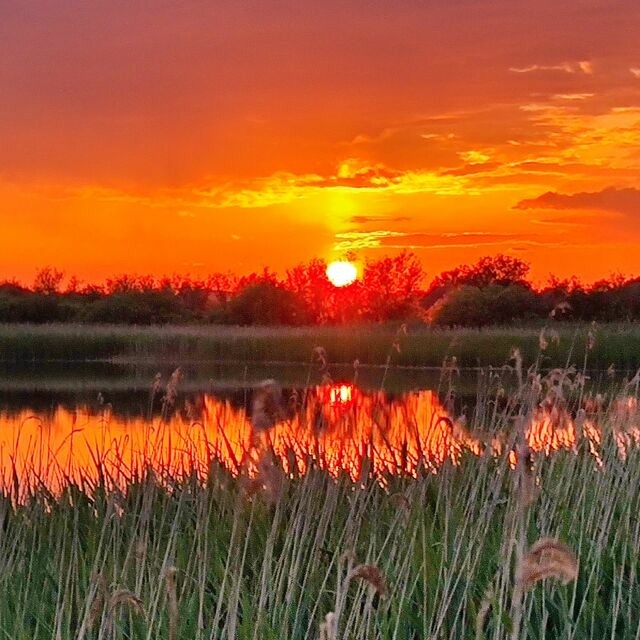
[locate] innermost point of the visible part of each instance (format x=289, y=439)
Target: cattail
x=400, y=501
x=172, y=602
x=547, y=558
x=140, y=550
x=371, y=574
x=272, y=478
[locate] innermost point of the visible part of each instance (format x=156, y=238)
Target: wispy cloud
x=358, y=240
x=386, y=239
x=635, y=72
x=572, y=96
x=474, y=156
x=352, y=174
x=276, y=189
x=362, y=220
x=582, y=66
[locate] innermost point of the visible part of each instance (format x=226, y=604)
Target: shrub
x=476, y=307
x=148, y=307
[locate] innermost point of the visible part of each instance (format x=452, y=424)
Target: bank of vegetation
x=612, y=347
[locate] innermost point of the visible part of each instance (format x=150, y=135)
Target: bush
x=469, y=306
x=31, y=307
x=148, y=307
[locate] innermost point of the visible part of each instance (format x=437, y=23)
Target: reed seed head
x=547, y=558
x=124, y=597
x=371, y=574
x=329, y=628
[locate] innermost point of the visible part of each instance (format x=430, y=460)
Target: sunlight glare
x=342, y=273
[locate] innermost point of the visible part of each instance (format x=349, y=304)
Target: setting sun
x=342, y=273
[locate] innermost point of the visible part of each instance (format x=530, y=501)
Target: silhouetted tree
x=501, y=269
x=267, y=303
x=48, y=281
x=391, y=287
x=309, y=282
x=493, y=290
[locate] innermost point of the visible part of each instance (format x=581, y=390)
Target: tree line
x=494, y=290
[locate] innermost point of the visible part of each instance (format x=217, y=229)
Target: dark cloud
x=625, y=201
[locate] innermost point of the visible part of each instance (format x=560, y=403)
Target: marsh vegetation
x=617, y=345
x=330, y=513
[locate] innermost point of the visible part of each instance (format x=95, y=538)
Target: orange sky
x=201, y=136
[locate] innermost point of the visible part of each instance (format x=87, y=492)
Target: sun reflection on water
x=338, y=428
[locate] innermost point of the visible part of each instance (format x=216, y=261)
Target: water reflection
x=339, y=428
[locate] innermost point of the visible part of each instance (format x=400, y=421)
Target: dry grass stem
x=172, y=602
x=483, y=611
x=171, y=390
x=266, y=406
x=99, y=588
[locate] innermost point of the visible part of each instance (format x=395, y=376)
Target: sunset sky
x=195, y=136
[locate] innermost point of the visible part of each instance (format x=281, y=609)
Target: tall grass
x=248, y=567
x=618, y=344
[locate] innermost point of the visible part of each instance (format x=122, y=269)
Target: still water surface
x=94, y=422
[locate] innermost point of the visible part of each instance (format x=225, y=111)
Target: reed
x=616, y=344
x=443, y=548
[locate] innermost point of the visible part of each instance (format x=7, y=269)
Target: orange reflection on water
x=393, y=436
x=337, y=428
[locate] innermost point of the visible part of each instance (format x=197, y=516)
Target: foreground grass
x=615, y=344
x=257, y=565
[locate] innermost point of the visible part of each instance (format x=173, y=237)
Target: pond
x=84, y=423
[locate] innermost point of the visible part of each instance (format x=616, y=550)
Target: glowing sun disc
x=342, y=273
